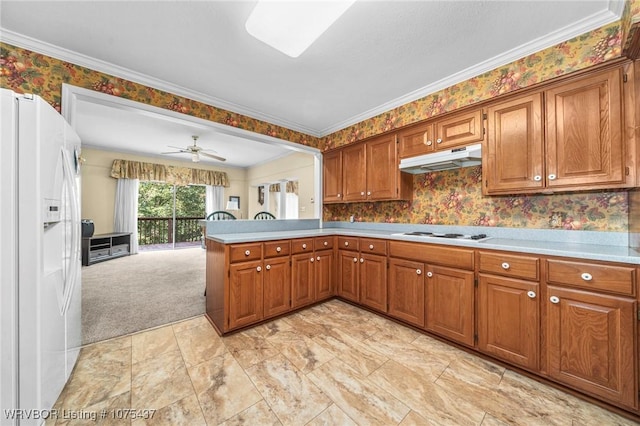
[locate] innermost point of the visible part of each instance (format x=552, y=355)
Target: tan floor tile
x=96, y=379
x=424, y=397
x=304, y=327
x=471, y=369
x=489, y=420
x=152, y=343
x=289, y=393
x=361, y=400
x=223, y=388
x=106, y=346
x=435, y=346
x=249, y=348
x=109, y=412
x=332, y=416
x=272, y=328
x=190, y=323
x=303, y=352
x=199, y=344
x=258, y=414
x=357, y=355
x=414, y=419
x=160, y=381
x=185, y=412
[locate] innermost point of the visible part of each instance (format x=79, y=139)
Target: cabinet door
x=591, y=343
x=354, y=177
x=348, y=275
x=584, y=132
x=373, y=281
x=302, y=273
x=245, y=293
x=416, y=141
x=406, y=291
x=382, y=168
x=450, y=304
x=514, y=153
x=508, y=320
x=324, y=274
x=332, y=176
x=459, y=129
x=277, y=286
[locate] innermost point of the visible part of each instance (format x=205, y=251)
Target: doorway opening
x=168, y=216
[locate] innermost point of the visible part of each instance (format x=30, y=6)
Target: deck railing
x=159, y=230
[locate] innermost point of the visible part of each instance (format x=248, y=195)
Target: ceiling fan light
x=291, y=27
x=195, y=157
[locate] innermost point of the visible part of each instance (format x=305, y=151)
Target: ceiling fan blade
x=208, y=150
x=178, y=148
x=215, y=157
x=175, y=152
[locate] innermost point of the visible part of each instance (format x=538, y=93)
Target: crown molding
x=19, y=40
x=580, y=27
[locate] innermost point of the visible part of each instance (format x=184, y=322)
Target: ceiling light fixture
x=195, y=157
x=292, y=26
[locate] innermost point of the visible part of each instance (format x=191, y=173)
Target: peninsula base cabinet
x=406, y=291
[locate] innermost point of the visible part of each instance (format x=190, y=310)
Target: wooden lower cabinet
x=348, y=275
x=324, y=274
x=302, y=279
x=450, y=303
x=590, y=343
x=406, y=291
x=509, y=320
x=373, y=281
x=245, y=293
x=276, y=283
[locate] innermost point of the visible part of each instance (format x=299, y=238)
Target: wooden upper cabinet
x=513, y=158
x=383, y=170
x=332, y=176
x=585, y=132
x=454, y=130
x=354, y=176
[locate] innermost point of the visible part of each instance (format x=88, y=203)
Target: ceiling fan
x=195, y=151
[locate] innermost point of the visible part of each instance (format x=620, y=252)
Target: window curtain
x=291, y=206
x=125, y=169
x=214, y=199
x=125, y=218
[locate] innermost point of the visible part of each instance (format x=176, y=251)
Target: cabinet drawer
x=509, y=265
x=610, y=278
x=120, y=249
x=369, y=245
x=348, y=243
x=302, y=245
x=242, y=252
x=432, y=254
x=322, y=243
x=276, y=248
x=97, y=254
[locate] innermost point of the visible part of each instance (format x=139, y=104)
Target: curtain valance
x=292, y=187
x=125, y=169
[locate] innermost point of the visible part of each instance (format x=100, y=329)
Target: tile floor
x=332, y=364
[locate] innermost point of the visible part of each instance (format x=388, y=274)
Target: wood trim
x=632, y=47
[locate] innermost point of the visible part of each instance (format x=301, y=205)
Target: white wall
x=99, y=188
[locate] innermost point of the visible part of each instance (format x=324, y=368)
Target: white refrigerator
x=40, y=265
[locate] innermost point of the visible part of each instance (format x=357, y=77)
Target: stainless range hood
x=443, y=160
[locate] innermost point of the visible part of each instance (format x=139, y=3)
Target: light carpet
x=141, y=291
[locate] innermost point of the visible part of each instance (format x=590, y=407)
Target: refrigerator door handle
x=69, y=180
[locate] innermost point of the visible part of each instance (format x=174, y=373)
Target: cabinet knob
x=439, y=140
x=278, y=249
x=368, y=192
x=586, y=276
x=361, y=260
x=247, y=252
x=346, y=243
x=370, y=246
x=554, y=299
x=537, y=178
x=429, y=274
x=355, y=260
x=318, y=258
x=418, y=271
x=362, y=193
x=304, y=246
x=259, y=268
x=326, y=243
x=429, y=143
x=268, y=267
x=531, y=294
x=339, y=195
x=505, y=265
x=311, y=260
x=552, y=177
